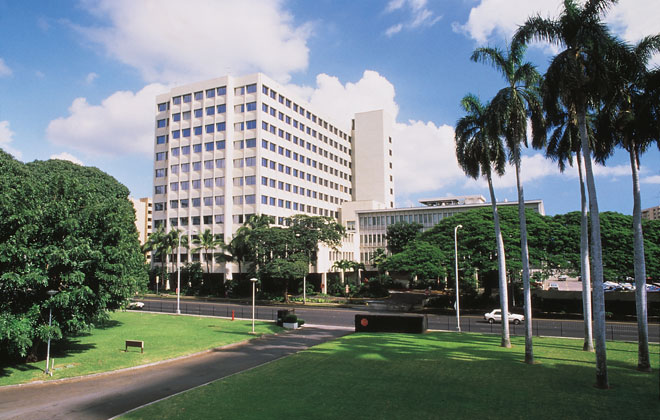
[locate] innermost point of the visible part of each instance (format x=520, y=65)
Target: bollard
x=232, y=314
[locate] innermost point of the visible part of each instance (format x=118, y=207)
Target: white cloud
x=394, y=29
x=498, y=19
x=4, y=69
x=89, y=79
x=171, y=41
x=67, y=156
x=420, y=15
x=330, y=96
x=654, y=179
x=414, y=171
x=6, y=137
x=123, y=124
x=424, y=158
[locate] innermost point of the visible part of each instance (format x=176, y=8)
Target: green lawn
x=164, y=336
x=432, y=376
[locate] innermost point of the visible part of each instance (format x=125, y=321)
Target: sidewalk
x=102, y=397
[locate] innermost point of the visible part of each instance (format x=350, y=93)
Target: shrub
x=291, y=318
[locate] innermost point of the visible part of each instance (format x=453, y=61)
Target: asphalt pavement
x=341, y=316
x=107, y=395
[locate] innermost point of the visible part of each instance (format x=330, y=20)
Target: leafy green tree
x=378, y=258
x=401, y=234
x=628, y=119
x=580, y=75
x=479, y=151
x=510, y=108
x=419, y=259
x=67, y=228
x=288, y=269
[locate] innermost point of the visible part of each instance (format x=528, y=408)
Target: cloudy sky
x=78, y=79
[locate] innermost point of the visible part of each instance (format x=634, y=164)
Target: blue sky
x=78, y=79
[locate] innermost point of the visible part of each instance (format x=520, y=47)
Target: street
x=345, y=317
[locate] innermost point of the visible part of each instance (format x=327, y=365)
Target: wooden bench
x=135, y=343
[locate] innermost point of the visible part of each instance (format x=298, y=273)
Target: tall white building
x=231, y=147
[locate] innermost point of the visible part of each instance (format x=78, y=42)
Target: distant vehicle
x=652, y=288
x=553, y=286
x=610, y=286
x=135, y=305
x=496, y=315
x=627, y=286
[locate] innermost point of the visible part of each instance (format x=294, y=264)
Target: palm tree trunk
x=501, y=266
x=643, y=358
x=597, y=258
x=527, y=297
x=585, y=267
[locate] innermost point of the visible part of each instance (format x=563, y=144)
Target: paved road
x=619, y=331
x=105, y=396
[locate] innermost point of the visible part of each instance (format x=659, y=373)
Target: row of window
x=197, y=130
x=281, y=99
x=265, y=144
x=285, y=186
x=287, y=119
x=427, y=219
x=373, y=239
x=271, y=164
x=288, y=137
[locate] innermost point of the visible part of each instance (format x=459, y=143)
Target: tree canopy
x=67, y=228
x=400, y=234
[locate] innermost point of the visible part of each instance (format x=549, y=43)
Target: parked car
x=652, y=288
x=610, y=286
x=496, y=315
x=135, y=305
x=553, y=286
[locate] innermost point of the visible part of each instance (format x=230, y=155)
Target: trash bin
x=281, y=314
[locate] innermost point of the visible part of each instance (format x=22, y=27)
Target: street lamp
x=458, y=310
x=51, y=293
x=254, y=285
x=178, y=274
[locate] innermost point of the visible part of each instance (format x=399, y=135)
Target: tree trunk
x=585, y=269
x=596, y=257
x=643, y=358
x=527, y=298
x=501, y=265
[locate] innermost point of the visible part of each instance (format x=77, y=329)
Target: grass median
x=164, y=336
x=431, y=376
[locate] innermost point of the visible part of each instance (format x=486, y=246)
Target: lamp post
x=254, y=285
x=178, y=274
x=458, y=310
x=51, y=293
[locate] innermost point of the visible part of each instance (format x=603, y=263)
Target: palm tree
x=563, y=142
x=479, y=151
x=511, y=107
x=628, y=120
x=342, y=266
x=156, y=245
x=206, y=241
x=579, y=76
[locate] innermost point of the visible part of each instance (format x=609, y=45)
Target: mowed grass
x=431, y=376
x=164, y=336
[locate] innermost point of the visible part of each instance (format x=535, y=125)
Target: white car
x=135, y=305
x=496, y=315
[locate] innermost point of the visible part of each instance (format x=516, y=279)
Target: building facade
x=371, y=224
x=232, y=147
x=143, y=219
x=652, y=213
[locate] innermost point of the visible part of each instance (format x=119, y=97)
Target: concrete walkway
x=105, y=396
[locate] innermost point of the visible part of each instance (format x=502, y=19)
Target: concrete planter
x=290, y=325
